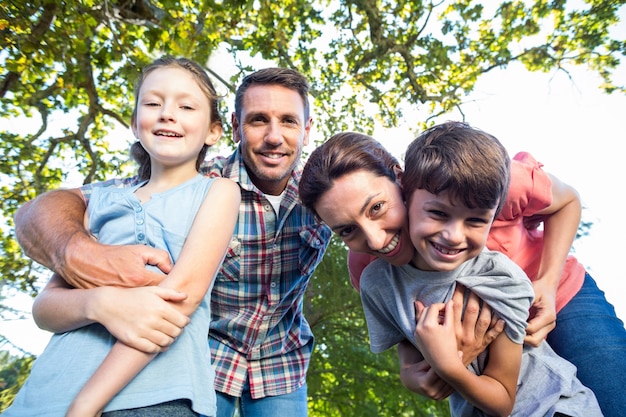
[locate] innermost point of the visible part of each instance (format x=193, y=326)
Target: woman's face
x=368, y=213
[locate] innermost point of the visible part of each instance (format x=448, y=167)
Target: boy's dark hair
x=137, y=151
x=286, y=77
x=469, y=164
x=343, y=154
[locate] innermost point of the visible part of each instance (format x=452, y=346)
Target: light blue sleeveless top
x=68, y=361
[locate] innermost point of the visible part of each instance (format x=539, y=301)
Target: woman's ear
x=397, y=169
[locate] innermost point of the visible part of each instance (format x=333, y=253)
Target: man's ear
x=235, y=124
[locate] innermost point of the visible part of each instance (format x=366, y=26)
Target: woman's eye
x=346, y=231
x=377, y=208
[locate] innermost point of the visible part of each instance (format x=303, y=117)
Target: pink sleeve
x=356, y=264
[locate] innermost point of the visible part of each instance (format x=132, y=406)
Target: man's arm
x=51, y=231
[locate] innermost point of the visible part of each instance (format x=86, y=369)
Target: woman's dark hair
x=343, y=154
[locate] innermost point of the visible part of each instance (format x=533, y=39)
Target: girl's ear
x=214, y=134
x=133, y=126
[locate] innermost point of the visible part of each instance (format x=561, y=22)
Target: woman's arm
x=560, y=225
x=494, y=390
x=192, y=274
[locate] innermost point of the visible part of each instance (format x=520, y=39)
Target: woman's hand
x=475, y=326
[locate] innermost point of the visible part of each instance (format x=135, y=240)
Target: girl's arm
x=139, y=317
x=560, y=224
x=193, y=273
x=494, y=390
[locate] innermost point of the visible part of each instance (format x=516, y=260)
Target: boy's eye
x=477, y=220
x=437, y=213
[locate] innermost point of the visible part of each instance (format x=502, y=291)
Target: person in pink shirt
x=535, y=228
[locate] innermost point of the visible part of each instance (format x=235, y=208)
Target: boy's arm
x=193, y=273
x=560, y=225
x=494, y=390
x=50, y=230
x=477, y=330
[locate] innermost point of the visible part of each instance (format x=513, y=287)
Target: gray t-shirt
x=547, y=383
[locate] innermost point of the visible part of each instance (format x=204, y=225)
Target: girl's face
x=173, y=119
x=368, y=213
x=446, y=233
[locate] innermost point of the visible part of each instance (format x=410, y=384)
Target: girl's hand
x=143, y=318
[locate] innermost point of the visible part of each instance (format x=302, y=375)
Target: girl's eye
x=186, y=107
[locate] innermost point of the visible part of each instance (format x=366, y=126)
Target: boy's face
x=446, y=233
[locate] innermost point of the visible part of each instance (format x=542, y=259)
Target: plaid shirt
x=258, y=331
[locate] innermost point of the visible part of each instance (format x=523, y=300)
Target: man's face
x=272, y=131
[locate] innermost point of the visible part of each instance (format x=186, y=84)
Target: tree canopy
x=76, y=61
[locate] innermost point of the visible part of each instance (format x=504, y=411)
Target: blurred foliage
x=67, y=69
x=13, y=372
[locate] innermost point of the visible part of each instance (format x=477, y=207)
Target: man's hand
x=477, y=329
x=142, y=318
x=92, y=264
x=543, y=314
x=417, y=375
